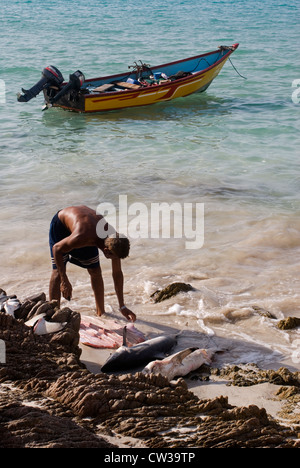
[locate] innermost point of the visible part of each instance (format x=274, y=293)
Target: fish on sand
x=126, y=358
x=181, y=363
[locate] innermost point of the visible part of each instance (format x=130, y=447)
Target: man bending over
x=73, y=238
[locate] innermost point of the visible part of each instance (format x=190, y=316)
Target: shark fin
x=125, y=336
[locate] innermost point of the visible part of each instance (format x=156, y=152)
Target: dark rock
x=37, y=298
x=170, y=291
x=289, y=323
x=263, y=312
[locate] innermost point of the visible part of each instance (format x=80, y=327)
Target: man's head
x=116, y=246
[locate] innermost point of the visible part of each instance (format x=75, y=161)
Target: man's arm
x=59, y=249
x=118, y=278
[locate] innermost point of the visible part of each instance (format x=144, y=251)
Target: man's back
x=82, y=221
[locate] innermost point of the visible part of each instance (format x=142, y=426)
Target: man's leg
x=98, y=288
x=54, y=288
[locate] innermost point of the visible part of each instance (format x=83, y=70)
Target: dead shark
x=3, y=299
x=9, y=304
x=40, y=326
x=181, y=363
x=138, y=355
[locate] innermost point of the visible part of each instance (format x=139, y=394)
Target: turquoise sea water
x=234, y=148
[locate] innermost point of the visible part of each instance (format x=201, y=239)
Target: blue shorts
x=86, y=257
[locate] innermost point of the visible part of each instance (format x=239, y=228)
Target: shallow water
x=234, y=149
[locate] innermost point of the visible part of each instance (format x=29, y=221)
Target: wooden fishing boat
x=141, y=86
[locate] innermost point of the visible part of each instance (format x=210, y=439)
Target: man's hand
x=66, y=289
x=131, y=317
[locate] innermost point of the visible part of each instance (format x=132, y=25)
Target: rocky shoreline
x=49, y=399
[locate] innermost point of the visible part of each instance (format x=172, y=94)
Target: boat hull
x=198, y=79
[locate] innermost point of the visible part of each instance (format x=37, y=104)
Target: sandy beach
x=206, y=384
x=262, y=395
x=54, y=381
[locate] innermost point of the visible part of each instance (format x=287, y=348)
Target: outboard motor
x=51, y=76
x=76, y=81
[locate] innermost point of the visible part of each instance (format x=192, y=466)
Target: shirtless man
x=73, y=238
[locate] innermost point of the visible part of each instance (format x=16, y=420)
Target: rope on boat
x=204, y=59
x=237, y=70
